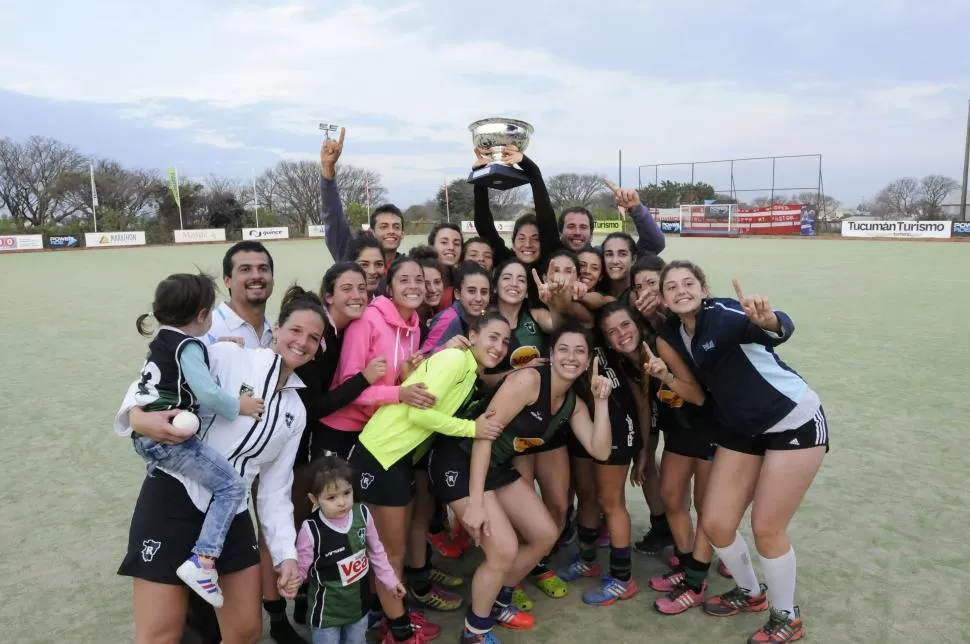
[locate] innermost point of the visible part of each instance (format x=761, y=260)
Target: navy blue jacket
x=735, y=362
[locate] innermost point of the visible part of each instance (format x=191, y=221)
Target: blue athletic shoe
x=579, y=567
x=467, y=637
x=610, y=591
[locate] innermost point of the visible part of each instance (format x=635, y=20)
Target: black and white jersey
x=162, y=384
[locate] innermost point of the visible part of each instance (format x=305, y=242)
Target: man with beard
x=386, y=224
x=576, y=223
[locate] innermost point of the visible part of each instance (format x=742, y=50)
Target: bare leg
x=239, y=619
x=160, y=611
x=676, y=472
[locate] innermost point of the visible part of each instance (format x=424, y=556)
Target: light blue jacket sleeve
x=210, y=395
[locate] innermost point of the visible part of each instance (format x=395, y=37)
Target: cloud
x=406, y=87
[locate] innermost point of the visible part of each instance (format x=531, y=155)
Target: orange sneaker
x=513, y=619
x=782, y=626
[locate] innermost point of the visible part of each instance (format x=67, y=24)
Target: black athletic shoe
x=282, y=632
x=654, y=542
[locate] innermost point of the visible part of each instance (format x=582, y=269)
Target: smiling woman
x=171, y=506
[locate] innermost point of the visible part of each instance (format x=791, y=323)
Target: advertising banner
x=961, y=229
x=110, y=240
x=468, y=227
x=608, y=226
x=21, y=242
x=316, y=230
x=63, y=241
x=279, y=232
x=898, y=229
x=191, y=236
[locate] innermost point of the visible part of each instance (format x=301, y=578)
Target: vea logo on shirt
x=353, y=568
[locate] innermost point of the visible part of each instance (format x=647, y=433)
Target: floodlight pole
x=966, y=171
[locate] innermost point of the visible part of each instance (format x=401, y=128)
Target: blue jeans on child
x=195, y=460
x=349, y=634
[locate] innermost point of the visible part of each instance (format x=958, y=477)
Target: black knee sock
x=400, y=628
x=419, y=579
x=695, y=573
x=276, y=608
x=620, y=564
x=587, y=542
x=659, y=523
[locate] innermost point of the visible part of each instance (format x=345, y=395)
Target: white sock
x=737, y=558
x=780, y=577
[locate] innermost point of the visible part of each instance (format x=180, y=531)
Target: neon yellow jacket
x=395, y=430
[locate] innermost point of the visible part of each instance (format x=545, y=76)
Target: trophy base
x=498, y=176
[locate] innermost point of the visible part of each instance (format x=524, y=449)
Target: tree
x=671, y=194
x=357, y=184
x=291, y=189
x=428, y=211
x=194, y=204
x=898, y=199
x=933, y=191
x=461, y=201
x=828, y=209
x=32, y=180
x=124, y=196
x=505, y=203
x=569, y=189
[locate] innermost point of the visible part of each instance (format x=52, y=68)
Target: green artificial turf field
x=880, y=539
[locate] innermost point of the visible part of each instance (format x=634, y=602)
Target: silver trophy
x=494, y=134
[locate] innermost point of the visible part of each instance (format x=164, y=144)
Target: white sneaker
x=204, y=582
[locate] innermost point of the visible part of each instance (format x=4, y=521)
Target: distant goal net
x=713, y=220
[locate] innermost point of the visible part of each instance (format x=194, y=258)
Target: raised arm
x=545, y=215
x=650, y=239
x=765, y=325
x=332, y=215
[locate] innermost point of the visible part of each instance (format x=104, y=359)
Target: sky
x=879, y=88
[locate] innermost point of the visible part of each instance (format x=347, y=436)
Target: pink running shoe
x=679, y=600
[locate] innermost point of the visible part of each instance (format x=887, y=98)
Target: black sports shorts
x=165, y=526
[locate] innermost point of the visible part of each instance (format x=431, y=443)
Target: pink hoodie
x=380, y=331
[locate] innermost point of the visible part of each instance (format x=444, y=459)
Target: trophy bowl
x=494, y=134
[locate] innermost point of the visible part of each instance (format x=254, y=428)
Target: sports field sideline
x=881, y=538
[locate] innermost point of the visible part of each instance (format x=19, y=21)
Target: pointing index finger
x=737, y=288
x=535, y=276
x=610, y=185
x=340, y=139
x=596, y=367
x=646, y=349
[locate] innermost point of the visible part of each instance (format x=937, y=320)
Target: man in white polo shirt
x=247, y=270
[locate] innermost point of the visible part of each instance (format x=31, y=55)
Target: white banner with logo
x=280, y=232
x=500, y=226
x=316, y=230
x=191, y=236
x=107, y=240
x=21, y=242
x=899, y=229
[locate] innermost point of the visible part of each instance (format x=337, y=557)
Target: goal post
x=709, y=220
